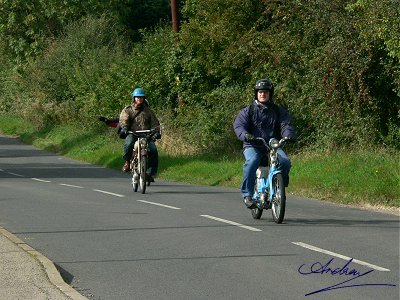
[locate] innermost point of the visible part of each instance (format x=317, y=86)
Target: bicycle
x=139, y=161
x=269, y=190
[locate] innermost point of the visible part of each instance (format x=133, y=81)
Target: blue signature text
x=346, y=270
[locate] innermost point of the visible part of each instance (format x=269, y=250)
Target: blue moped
x=269, y=189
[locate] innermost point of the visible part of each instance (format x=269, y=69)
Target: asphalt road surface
x=182, y=241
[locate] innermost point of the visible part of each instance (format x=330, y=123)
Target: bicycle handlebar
x=143, y=133
x=273, y=143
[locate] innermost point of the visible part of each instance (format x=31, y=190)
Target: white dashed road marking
x=158, y=204
x=109, y=193
x=15, y=174
x=231, y=223
x=41, y=180
x=70, y=185
x=304, y=245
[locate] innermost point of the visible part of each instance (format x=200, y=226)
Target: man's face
x=263, y=96
x=139, y=100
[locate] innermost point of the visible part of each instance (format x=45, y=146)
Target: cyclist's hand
x=248, y=137
x=123, y=132
x=258, y=141
x=289, y=139
x=103, y=119
x=252, y=139
x=155, y=136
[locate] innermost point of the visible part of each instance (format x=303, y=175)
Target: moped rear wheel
x=279, y=199
x=142, y=176
x=256, y=212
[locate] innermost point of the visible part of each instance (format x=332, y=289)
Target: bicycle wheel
x=279, y=199
x=142, y=175
x=256, y=212
x=135, y=183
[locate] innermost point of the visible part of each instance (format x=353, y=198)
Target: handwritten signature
x=319, y=268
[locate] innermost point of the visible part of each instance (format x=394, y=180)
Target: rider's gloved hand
x=103, y=119
x=123, y=132
x=249, y=137
x=156, y=136
x=289, y=139
x=252, y=139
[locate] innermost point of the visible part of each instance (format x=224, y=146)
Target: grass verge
x=362, y=177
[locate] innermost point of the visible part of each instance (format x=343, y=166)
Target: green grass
x=359, y=177
x=201, y=170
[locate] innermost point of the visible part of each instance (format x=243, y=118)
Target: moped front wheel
x=256, y=212
x=135, y=183
x=278, y=199
x=135, y=177
x=142, y=176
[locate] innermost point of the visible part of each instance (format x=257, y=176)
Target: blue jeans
x=153, y=154
x=253, y=157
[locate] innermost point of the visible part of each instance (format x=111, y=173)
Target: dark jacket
x=270, y=121
x=138, y=119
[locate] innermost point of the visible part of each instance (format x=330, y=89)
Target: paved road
x=182, y=241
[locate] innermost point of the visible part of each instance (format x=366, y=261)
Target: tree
x=27, y=26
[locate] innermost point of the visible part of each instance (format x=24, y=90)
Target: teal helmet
x=139, y=92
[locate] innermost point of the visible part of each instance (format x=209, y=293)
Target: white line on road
x=15, y=174
x=231, y=222
x=158, y=204
x=41, y=180
x=109, y=193
x=304, y=245
x=70, y=185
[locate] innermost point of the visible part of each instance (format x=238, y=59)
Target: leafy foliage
x=335, y=65
x=77, y=75
x=27, y=26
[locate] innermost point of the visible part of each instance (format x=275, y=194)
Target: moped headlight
x=143, y=143
x=273, y=143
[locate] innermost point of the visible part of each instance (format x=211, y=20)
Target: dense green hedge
x=335, y=65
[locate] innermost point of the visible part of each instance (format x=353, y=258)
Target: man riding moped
x=139, y=116
x=263, y=118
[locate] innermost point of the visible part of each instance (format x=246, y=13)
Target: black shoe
x=249, y=203
x=150, y=178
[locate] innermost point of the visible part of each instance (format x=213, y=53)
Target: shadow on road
x=67, y=276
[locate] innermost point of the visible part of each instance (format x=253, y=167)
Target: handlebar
x=274, y=143
x=143, y=133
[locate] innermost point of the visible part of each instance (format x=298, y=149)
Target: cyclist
x=139, y=116
x=263, y=118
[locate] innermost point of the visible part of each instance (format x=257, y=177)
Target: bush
x=338, y=77
x=80, y=76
